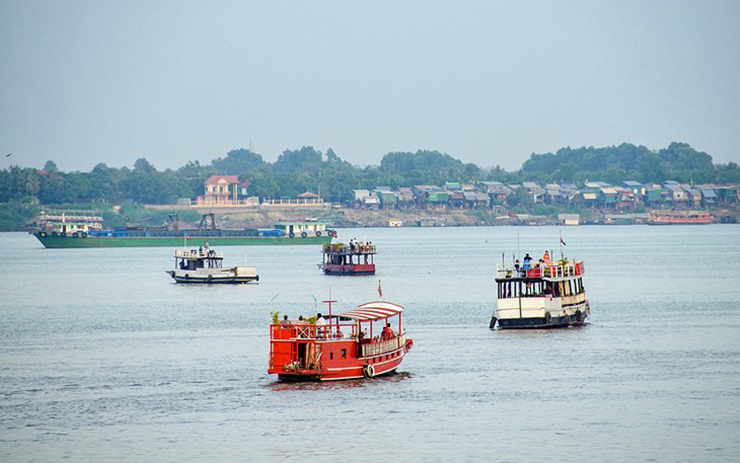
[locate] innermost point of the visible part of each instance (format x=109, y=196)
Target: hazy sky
x=489, y=82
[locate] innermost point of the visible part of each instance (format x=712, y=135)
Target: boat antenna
x=329, y=302
x=517, y=246
x=315, y=302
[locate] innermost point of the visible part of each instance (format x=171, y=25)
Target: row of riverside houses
x=496, y=196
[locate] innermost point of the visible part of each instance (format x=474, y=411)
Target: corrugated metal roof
x=373, y=311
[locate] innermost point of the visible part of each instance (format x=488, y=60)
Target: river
x=103, y=357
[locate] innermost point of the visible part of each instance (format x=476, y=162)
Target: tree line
x=23, y=189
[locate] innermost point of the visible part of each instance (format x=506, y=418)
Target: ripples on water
x=102, y=357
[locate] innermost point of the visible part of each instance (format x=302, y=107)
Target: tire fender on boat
x=42, y=234
x=304, y=234
x=209, y=278
x=493, y=322
x=548, y=317
x=75, y=235
x=318, y=233
x=579, y=316
x=83, y=234
x=368, y=371
x=409, y=345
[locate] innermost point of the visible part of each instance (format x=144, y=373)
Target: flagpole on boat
x=561, y=244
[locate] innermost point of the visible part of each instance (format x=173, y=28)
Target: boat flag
x=380, y=290
x=561, y=241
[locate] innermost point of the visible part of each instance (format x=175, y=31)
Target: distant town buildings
x=629, y=196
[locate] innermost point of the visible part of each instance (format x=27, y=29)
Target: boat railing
x=198, y=254
x=554, y=270
x=308, y=331
x=361, y=248
x=381, y=347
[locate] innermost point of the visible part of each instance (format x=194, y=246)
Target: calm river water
x=103, y=357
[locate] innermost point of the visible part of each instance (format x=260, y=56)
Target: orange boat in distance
x=348, y=345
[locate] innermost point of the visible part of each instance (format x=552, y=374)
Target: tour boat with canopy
x=347, y=345
x=547, y=295
x=205, y=265
x=354, y=259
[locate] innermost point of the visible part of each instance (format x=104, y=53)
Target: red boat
x=355, y=259
x=680, y=218
x=348, y=345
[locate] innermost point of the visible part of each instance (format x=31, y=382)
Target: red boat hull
x=350, y=269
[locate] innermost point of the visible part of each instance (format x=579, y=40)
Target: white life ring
x=368, y=371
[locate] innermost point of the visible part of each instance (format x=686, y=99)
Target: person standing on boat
x=320, y=325
x=387, y=332
x=527, y=262
x=285, y=321
x=516, y=267
x=546, y=258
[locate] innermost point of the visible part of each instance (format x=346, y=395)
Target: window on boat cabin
x=344, y=353
x=331, y=355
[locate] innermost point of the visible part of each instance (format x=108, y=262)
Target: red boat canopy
x=372, y=311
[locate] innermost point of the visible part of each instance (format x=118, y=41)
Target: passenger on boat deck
x=516, y=266
x=320, y=325
x=527, y=262
x=387, y=332
x=302, y=330
x=285, y=320
x=546, y=258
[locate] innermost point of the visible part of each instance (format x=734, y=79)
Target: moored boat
x=353, y=259
x=347, y=345
x=206, y=266
x=680, y=218
x=549, y=295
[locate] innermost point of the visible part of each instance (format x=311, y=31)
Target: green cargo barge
x=89, y=241
x=80, y=233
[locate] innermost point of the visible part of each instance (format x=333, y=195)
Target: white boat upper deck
x=198, y=254
x=553, y=271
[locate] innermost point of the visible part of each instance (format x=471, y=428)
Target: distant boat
x=206, y=266
x=353, y=259
x=680, y=218
x=549, y=296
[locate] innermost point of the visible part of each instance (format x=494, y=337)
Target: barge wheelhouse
x=354, y=259
x=350, y=345
x=548, y=296
x=206, y=266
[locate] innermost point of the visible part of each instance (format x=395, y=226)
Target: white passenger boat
x=206, y=266
x=546, y=296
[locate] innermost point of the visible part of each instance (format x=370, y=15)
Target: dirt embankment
x=345, y=217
